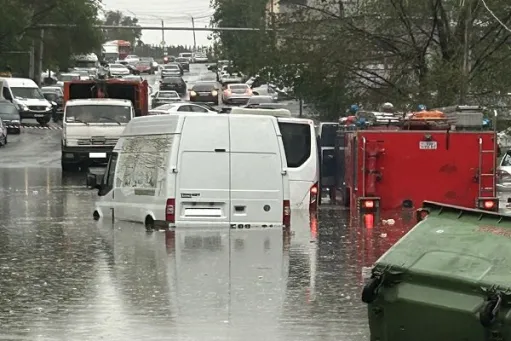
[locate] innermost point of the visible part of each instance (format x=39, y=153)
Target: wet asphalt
x=65, y=277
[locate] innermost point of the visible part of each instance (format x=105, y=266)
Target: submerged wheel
x=149, y=224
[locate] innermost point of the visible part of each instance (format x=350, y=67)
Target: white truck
x=90, y=130
x=88, y=62
x=110, y=51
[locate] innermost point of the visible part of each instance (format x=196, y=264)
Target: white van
x=300, y=143
x=193, y=170
x=29, y=99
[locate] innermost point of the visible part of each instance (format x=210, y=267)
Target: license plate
x=39, y=115
x=204, y=93
x=428, y=145
x=97, y=155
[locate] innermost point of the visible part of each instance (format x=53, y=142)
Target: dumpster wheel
x=488, y=314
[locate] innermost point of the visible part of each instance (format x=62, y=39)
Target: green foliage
x=402, y=51
x=116, y=18
x=249, y=50
x=18, y=27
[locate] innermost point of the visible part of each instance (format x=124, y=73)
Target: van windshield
x=32, y=93
x=297, y=142
x=98, y=113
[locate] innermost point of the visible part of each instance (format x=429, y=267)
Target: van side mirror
x=94, y=181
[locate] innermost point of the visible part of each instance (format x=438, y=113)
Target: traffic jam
x=189, y=193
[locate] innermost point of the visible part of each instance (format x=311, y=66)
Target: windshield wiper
x=111, y=119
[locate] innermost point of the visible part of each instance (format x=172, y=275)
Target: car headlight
x=49, y=107
x=214, y=93
x=193, y=93
x=15, y=121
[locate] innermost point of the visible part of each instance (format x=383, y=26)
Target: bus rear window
x=297, y=142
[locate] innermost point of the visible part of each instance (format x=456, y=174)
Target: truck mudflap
x=446, y=279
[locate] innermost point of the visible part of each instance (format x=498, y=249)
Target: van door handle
x=239, y=208
x=220, y=150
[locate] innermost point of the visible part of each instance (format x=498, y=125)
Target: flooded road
x=64, y=276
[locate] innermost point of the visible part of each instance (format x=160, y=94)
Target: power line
x=158, y=28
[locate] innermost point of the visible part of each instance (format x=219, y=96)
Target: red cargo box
x=388, y=170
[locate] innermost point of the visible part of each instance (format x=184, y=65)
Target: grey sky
x=172, y=12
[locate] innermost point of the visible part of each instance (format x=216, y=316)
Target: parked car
x=164, y=97
x=174, y=83
x=3, y=133
x=10, y=116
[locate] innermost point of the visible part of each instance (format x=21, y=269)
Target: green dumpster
x=447, y=279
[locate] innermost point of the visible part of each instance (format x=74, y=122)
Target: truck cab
x=91, y=128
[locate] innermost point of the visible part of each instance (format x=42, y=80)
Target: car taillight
x=313, y=202
x=170, y=210
x=249, y=92
x=286, y=214
x=227, y=92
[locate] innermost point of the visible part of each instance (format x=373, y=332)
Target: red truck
x=135, y=91
x=395, y=167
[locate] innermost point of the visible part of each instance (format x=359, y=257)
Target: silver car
x=237, y=93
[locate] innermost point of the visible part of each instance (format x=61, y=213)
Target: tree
x=248, y=50
x=116, y=18
x=18, y=24
x=436, y=52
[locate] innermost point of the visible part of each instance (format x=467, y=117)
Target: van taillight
x=170, y=211
x=313, y=202
x=286, y=214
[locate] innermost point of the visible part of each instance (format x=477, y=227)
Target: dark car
x=10, y=116
x=207, y=92
x=144, y=67
x=165, y=97
x=184, y=62
x=56, y=101
x=174, y=83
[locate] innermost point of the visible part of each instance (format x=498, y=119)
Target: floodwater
x=64, y=276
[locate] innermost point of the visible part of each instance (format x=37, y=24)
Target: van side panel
x=257, y=189
x=141, y=176
x=202, y=183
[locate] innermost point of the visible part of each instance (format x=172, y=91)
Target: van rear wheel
x=149, y=224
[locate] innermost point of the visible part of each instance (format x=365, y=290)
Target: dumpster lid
x=458, y=243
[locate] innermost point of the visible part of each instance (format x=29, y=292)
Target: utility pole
x=40, y=57
x=31, y=61
x=194, y=39
x=163, y=37
x=466, y=55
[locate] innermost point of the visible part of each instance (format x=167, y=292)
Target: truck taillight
x=286, y=214
x=170, y=210
x=488, y=204
x=313, y=202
